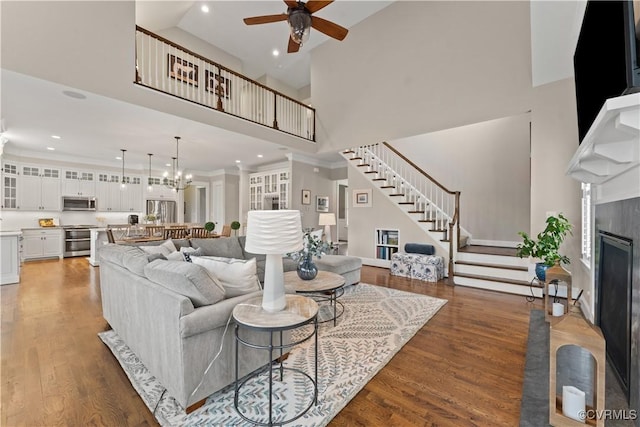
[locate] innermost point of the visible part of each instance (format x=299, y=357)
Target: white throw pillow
x=237, y=276
x=166, y=248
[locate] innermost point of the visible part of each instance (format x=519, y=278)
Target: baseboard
x=498, y=243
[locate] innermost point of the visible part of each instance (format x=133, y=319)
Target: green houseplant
x=235, y=226
x=547, y=244
x=210, y=226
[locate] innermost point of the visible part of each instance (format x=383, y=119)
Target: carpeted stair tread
x=502, y=266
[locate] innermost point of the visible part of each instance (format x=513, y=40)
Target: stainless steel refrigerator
x=164, y=210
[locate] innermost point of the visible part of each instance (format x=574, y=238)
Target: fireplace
x=613, y=302
x=617, y=290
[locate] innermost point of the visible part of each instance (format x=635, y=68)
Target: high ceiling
x=223, y=27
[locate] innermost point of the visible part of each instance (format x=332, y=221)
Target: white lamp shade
x=273, y=232
x=327, y=219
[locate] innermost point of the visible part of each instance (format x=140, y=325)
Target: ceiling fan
x=300, y=21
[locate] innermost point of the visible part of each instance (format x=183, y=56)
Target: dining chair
x=110, y=236
x=155, y=230
x=198, y=232
x=175, y=233
x=226, y=231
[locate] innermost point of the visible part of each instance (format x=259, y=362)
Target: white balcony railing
x=166, y=66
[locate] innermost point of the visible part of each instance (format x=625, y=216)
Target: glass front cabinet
x=269, y=190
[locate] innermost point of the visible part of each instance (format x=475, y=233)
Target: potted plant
x=150, y=218
x=312, y=246
x=210, y=226
x=235, y=226
x=546, y=246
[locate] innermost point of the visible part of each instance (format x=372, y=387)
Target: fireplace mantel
x=612, y=145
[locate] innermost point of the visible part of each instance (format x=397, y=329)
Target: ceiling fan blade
x=291, y=3
x=329, y=28
x=265, y=19
x=315, y=5
x=293, y=46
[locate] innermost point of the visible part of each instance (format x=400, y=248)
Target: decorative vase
x=307, y=270
x=541, y=270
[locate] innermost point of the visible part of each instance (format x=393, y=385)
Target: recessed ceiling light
x=51, y=149
x=275, y=52
x=55, y=136
x=72, y=94
x=167, y=164
x=237, y=161
x=118, y=158
x=260, y=155
x=204, y=8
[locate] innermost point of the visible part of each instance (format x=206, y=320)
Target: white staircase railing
x=430, y=202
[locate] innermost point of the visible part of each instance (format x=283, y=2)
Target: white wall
x=554, y=140
x=418, y=67
x=488, y=163
x=382, y=214
x=320, y=183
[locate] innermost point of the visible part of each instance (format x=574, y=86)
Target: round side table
x=299, y=311
x=326, y=286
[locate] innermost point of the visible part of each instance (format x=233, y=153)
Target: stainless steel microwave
x=75, y=203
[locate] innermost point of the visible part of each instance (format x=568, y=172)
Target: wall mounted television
x=607, y=57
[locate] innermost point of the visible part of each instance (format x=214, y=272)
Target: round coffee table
x=326, y=286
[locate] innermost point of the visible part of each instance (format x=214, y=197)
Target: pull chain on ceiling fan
x=300, y=20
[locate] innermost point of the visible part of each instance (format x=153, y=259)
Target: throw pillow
x=237, y=276
x=190, y=280
x=166, y=248
x=187, y=253
x=175, y=256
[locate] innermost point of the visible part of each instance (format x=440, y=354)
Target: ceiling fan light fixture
x=299, y=25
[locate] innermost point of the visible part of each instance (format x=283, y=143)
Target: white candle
x=573, y=403
x=558, y=309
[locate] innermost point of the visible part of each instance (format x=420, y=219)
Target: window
x=586, y=223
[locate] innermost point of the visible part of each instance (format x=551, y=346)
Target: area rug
x=376, y=323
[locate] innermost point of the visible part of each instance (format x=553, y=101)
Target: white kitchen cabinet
x=10, y=242
x=78, y=183
x=269, y=190
x=42, y=243
x=10, y=185
x=39, y=189
x=158, y=190
x=111, y=197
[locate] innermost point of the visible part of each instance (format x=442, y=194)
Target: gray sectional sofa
x=175, y=320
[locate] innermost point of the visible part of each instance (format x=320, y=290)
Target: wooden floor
x=464, y=368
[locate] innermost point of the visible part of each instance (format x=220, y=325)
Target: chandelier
x=179, y=181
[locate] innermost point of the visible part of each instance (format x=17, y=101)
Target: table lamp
x=273, y=233
x=327, y=219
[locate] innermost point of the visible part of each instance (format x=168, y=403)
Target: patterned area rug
x=375, y=325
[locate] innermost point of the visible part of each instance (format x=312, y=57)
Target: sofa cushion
x=185, y=278
x=338, y=263
x=227, y=247
x=237, y=276
x=165, y=248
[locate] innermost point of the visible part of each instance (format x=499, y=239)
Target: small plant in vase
x=547, y=244
x=210, y=226
x=311, y=246
x=235, y=226
x=150, y=218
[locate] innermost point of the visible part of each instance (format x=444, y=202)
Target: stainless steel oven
x=77, y=240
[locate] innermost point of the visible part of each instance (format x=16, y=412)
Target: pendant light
x=123, y=185
x=149, y=183
x=179, y=182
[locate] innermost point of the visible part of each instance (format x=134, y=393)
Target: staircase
x=437, y=210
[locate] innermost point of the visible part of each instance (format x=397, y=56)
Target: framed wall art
x=361, y=198
x=217, y=84
x=306, y=197
x=322, y=203
x=183, y=70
